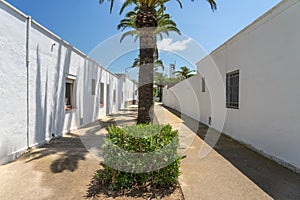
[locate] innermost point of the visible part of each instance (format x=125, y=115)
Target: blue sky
x=85, y=24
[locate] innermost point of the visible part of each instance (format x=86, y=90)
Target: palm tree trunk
x=146, y=22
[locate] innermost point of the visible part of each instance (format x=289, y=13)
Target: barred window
x=232, y=89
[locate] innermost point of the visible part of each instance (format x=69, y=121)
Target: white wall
x=51, y=61
x=12, y=83
x=267, y=55
x=184, y=97
x=128, y=88
x=49, y=66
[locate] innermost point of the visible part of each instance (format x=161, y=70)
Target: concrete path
x=230, y=170
x=61, y=170
x=64, y=169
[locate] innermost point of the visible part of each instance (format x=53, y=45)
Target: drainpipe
x=27, y=70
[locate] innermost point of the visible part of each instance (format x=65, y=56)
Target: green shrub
x=139, y=155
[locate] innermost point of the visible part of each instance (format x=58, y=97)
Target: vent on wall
x=81, y=121
x=209, y=120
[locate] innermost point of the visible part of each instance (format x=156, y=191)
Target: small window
x=203, y=84
x=69, y=95
x=93, y=86
x=114, y=96
x=101, y=95
x=232, y=89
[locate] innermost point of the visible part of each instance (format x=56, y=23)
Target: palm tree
x=146, y=22
x=184, y=72
x=164, y=26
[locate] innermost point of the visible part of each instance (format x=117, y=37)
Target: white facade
x=266, y=53
x=127, y=90
x=51, y=63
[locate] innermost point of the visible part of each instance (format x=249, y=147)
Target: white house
x=248, y=88
x=47, y=86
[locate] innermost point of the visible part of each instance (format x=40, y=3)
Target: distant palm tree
x=184, y=72
x=146, y=22
x=160, y=80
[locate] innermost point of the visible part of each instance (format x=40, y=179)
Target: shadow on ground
x=69, y=151
x=101, y=191
x=276, y=180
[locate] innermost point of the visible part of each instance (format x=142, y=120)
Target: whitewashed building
x=128, y=91
x=259, y=69
x=47, y=86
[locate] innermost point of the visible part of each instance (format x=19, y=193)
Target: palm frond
x=212, y=3
x=129, y=33
x=180, y=4
x=111, y=4
x=127, y=3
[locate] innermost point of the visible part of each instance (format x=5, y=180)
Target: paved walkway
x=64, y=169
x=230, y=170
x=61, y=170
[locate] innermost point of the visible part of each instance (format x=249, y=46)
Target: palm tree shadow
x=66, y=162
x=69, y=151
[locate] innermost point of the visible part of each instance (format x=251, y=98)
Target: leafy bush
x=139, y=155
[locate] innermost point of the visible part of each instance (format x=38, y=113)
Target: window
x=232, y=89
x=203, y=84
x=114, y=96
x=93, y=86
x=69, y=96
x=101, y=95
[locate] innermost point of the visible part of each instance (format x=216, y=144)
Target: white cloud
x=168, y=44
